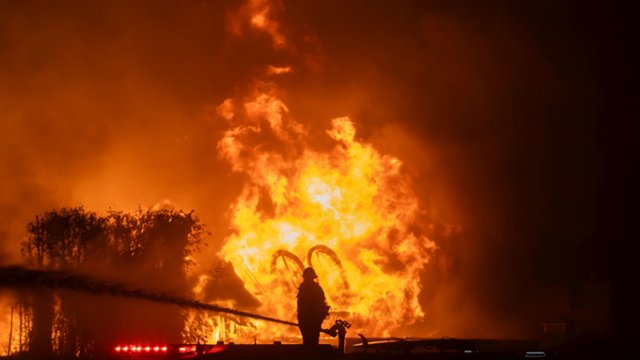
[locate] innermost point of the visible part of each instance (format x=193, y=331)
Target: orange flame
x=347, y=212
x=257, y=14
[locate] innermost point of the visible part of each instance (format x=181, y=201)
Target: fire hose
x=18, y=277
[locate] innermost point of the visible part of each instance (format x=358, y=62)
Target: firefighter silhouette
x=312, y=307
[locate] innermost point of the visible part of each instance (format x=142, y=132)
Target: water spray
x=19, y=277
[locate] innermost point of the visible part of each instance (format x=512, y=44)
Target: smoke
x=103, y=105
x=491, y=108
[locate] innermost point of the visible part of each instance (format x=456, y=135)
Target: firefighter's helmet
x=309, y=273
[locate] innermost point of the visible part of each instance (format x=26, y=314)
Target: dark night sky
x=512, y=117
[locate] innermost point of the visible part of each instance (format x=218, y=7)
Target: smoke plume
x=491, y=107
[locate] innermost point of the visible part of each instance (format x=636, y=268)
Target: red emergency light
x=140, y=348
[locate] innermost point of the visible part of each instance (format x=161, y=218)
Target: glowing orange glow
x=259, y=20
x=267, y=107
x=225, y=109
x=257, y=14
x=216, y=334
x=184, y=349
x=277, y=70
x=347, y=212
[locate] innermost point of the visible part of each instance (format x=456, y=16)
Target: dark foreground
x=447, y=348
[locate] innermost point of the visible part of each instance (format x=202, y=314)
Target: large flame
x=348, y=212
